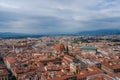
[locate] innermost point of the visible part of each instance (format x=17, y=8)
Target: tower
x=75, y=67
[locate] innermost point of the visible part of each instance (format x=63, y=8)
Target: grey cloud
x=62, y=16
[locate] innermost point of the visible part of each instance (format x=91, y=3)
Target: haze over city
x=58, y=16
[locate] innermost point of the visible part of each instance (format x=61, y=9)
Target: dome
x=59, y=47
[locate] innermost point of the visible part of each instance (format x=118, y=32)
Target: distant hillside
x=10, y=34
x=95, y=32
x=17, y=35
x=101, y=32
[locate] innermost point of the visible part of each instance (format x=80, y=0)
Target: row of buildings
x=59, y=58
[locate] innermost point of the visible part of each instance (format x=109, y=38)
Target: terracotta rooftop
x=60, y=47
x=111, y=64
x=10, y=60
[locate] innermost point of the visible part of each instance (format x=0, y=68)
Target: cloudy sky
x=58, y=16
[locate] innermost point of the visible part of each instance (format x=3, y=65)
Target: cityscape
x=61, y=58
x=59, y=40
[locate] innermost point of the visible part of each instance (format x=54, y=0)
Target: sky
x=58, y=16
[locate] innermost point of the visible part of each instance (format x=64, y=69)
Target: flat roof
x=88, y=47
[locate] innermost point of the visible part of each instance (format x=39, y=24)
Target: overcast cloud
x=58, y=16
